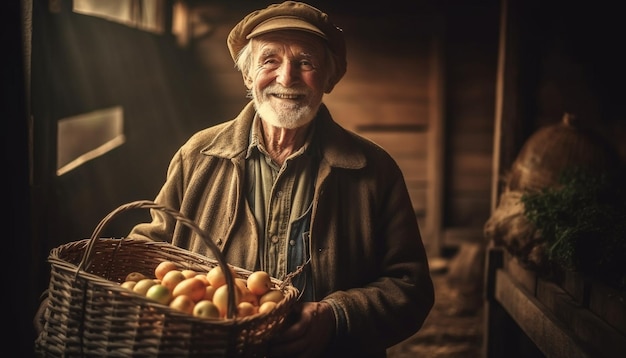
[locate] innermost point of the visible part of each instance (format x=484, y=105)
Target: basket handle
x=146, y=204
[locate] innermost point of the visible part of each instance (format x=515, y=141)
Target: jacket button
x=219, y=242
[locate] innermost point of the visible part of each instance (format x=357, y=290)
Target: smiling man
x=284, y=189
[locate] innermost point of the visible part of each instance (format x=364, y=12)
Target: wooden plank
x=610, y=305
x=409, y=143
x=542, y=327
x=525, y=277
x=583, y=323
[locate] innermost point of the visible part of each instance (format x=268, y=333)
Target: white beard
x=285, y=114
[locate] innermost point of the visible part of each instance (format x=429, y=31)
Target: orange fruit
x=206, y=309
x=142, y=286
x=220, y=298
x=217, y=277
x=163, y=268
x=267, y=306
x=135, y=276
x=172, y=278
x=273, y=295
x=192, y=287
x=189, y=273
x=245, y=309
x=203, y=278
x=259, y=282
x=129, y=284
x=183, y=303
x=209, y=292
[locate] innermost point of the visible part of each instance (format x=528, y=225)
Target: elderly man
x=283, y=185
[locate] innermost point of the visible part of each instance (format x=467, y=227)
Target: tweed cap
x=291, y=15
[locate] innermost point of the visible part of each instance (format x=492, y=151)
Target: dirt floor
x=454, y=328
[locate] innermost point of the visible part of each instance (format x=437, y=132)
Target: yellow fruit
x=142, y=286
x=259, y=282
x=129, y=284
x=206, y=309
x=273, y=295
x=172, y=278
x=160, y=294
x=245, y=309
x=246, y=294
x=135, y=276
x=163, y=268
x=209, y=292
x=267, y=306
x=192, y=287
x=217, y=277
x=189, y=273
x=183, y=303
x=220, y=298
x=203, y=278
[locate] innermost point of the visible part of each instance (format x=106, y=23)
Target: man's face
x=287, y=77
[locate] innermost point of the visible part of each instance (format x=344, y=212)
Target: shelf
x=556, y=322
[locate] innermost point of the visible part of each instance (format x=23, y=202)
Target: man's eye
x=270, y=64
x=307, y=66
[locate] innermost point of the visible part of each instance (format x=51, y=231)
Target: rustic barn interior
x=452, y=89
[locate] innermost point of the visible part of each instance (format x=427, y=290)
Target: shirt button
x=219, y=242
x=279, y=193
x=274, y=239
x=292, y=242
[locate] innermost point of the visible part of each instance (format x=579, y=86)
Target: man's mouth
x=287, y=96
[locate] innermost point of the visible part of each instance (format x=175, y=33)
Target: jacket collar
x=338, y=147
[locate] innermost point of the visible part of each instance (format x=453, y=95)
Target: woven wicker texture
x=90, y=314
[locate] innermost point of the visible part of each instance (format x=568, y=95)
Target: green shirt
x=279, y=197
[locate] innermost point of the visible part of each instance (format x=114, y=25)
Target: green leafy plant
x=583, y=220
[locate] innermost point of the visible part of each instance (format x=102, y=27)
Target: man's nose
x=287, y=74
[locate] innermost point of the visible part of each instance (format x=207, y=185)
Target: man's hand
x=309, y=334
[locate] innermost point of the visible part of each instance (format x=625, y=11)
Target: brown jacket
x=367, y=253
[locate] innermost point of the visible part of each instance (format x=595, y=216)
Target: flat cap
x=291, y=15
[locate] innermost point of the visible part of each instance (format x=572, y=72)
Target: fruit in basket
x=246, y=294
x=183, y=303
x=196, y=296
x=135, y=276
x=202, y=277
x=217, y=277
x=164, y=267
x=192, y=287
x=209, y=292
x=259, y=282
x=189, y=273
x=128, y=284
x=267, y=306
x=273, y=295
x=220, y=298
x=172, y=278
x=206, y=309
x=160, y=294
x=245, y=309
x=143, y=285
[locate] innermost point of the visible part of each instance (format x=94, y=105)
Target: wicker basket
x=90, y=314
